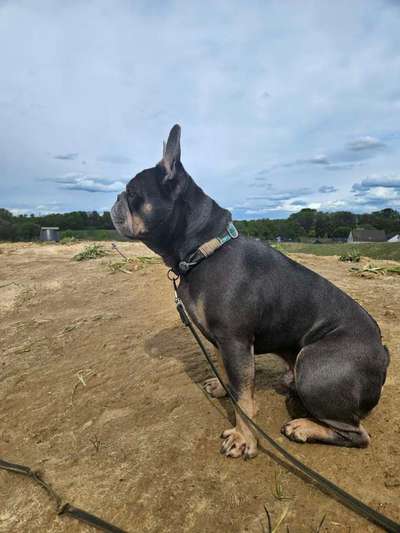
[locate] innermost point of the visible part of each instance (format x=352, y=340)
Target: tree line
x=314, y=224
x=307, y=223
x=27, y=227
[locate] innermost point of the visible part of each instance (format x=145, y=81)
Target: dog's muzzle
x=120, y=215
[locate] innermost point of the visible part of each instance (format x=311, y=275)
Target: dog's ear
x=172, y=152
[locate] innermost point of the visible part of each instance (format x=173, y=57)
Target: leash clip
x=182, y=311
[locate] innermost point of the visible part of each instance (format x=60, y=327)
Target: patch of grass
x=68, y=240
x=319, y=528
x=147, y=260
x=280, y=247
x=278, y=491
x=131, y=264
x=373, y=250
x=370, y=270
x=92, y=251
x=126, y=266
x=273, y=529
x=352, y=256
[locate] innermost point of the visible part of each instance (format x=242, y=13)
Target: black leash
x=344, y=497
x=61, y=508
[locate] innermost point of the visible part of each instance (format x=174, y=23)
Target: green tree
x=28, y=231
x=341, y=231
x=8, y=231
x=5, y=214
x=306, y=218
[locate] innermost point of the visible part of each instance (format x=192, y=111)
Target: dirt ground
x=100, y=389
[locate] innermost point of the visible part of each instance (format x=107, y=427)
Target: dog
x=248, y=298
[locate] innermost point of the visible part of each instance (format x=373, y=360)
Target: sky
x=283, y=104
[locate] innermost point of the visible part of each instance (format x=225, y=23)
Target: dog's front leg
x=239, y=363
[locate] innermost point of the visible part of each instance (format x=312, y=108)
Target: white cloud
x=326, y=189
x=81, y=182
x=390, y=181
x=366, y=143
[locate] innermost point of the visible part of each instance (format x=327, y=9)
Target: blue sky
x=283, y=105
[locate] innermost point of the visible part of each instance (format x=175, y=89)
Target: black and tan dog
x=248, y=298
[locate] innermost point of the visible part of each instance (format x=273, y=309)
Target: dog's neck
x=198, y=219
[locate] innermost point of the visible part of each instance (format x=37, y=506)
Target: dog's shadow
x=178, y=343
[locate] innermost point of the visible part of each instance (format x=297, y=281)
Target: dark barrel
x=50, y=234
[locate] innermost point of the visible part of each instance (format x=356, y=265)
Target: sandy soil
x=100, y=389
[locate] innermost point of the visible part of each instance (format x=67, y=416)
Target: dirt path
x=100, y=390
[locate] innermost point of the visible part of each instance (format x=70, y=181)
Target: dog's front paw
x=214, y=388
x=236, y=444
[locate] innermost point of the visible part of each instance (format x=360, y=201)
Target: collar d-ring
x=172, y=276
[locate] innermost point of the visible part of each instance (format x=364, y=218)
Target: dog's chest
x=196, y=309
x=195, y=306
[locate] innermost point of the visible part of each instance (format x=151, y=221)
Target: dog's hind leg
x=238, y=358
x=338, y=381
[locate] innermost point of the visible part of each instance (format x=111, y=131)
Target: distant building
x=395, y=238
x=50, y=234
x=367, y=235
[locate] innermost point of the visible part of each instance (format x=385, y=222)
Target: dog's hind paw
x=305, y=430
x=236, y=444
x=214, y=388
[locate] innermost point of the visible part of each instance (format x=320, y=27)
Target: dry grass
x=371, y=270
x=92, y=251
x=129, y=265
x=278, y=491
x=274, y=529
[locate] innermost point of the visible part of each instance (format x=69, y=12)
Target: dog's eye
x=131, y=195
x=134, y=199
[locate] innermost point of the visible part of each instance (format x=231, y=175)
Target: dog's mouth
x=120, y=216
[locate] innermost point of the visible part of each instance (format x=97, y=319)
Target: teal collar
x=207, y=249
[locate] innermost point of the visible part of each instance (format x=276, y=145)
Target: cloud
x=115, y=159
x=67, y=157
x=260, y=177
x=16, y=211
x=260, y=181
x=352, y=155
x=344, y=165
x=275, y=202
x=44, y=209
x=81, y=182
x=392, y=182
x=325, y=189
x=377, y=192
x=300, y=203
x=317, y=160
x=349, y=157
x=314, y=160
x=365, y=143
x=277, y=195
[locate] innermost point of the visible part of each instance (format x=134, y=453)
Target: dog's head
x=147, y=205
